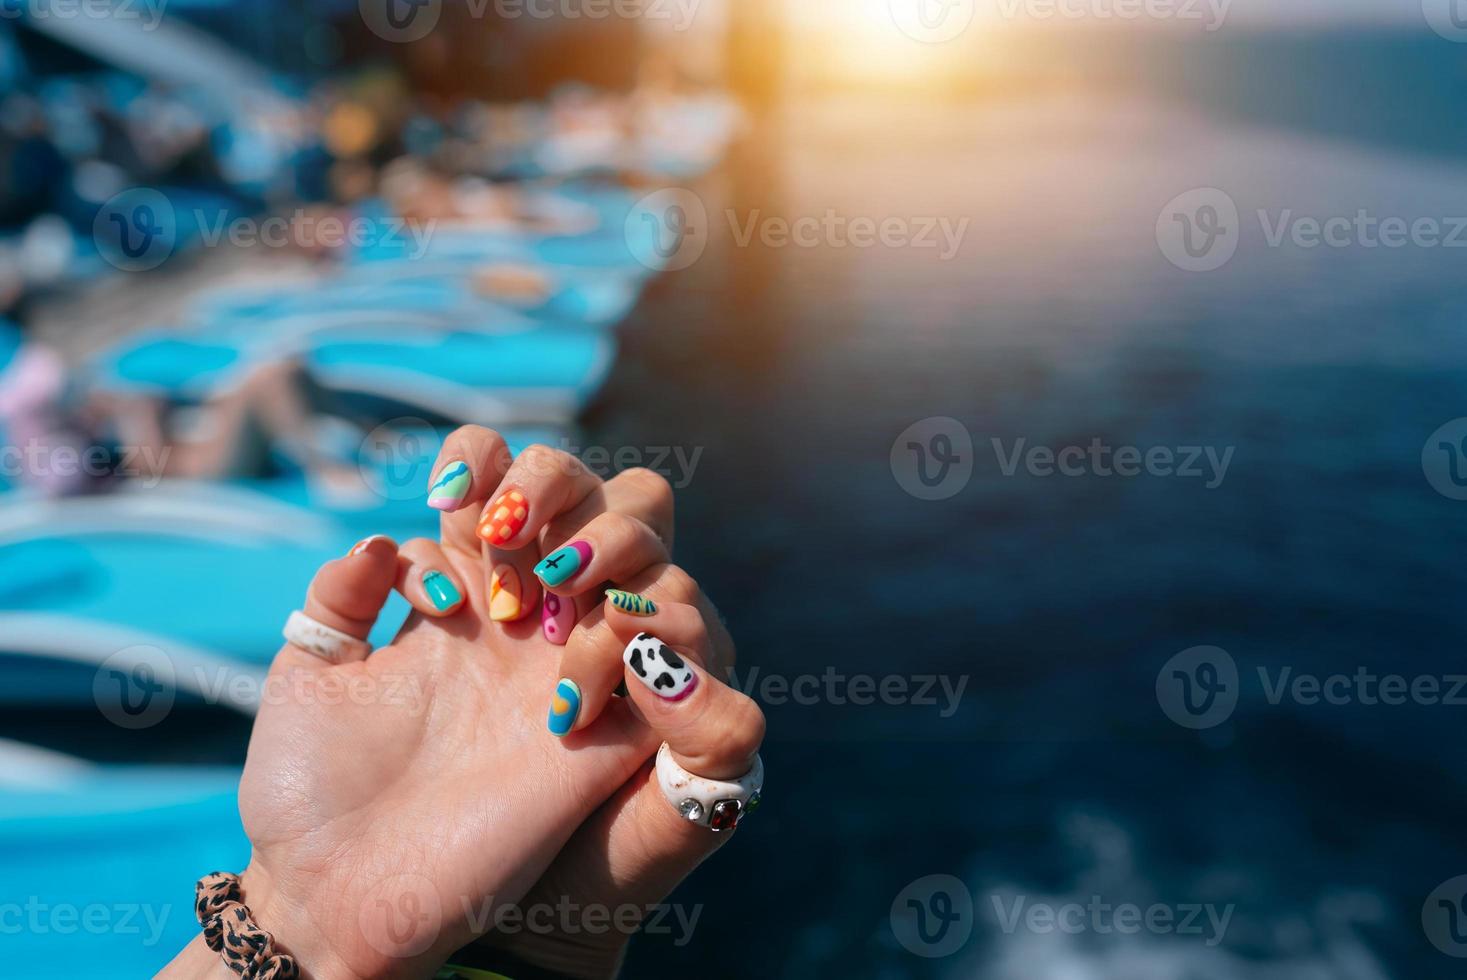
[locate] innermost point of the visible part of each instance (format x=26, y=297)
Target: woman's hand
x=636, y=848
x=396, y=801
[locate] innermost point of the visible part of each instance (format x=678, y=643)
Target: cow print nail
x=659, y=667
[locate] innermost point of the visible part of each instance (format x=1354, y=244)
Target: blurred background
x=1094, y=364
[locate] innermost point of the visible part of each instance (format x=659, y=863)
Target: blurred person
x=46, y=411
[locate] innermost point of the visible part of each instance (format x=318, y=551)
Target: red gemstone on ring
x=725, y=815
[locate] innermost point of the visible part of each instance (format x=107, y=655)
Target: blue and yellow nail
x=441, y=591
x=561, y=564
x=565, y=705
x=631, y=603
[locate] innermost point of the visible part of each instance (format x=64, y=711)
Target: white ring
x=717, y=804
x=331, y=645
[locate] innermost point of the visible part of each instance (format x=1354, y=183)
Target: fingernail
x=504, y=594
x=557, y=616
x=565, y=704
x=450, y=486
x=631, y=603
x=364, y=544
x=441, y=590
x=660, y=668
x=562, y=563
x=504, y=518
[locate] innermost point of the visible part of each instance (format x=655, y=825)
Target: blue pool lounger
x=121, y=847
x=544, y=376
x=203, y=574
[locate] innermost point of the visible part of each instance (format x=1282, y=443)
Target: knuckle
x=744, y=726
x=651, y=485
x=677, y=585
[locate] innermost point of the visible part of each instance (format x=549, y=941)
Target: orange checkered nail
x=504, y=518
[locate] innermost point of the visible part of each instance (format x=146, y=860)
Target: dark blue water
x=1324, y=549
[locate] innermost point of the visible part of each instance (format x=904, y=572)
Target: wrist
x=296, y=921
x=583, y=958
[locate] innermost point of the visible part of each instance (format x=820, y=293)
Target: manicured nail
x=504, y=518
x=557, y=616
x=562, y=563
x=450, y=486
x=631, y=603
x=441, y=590
x=565, y=704
x=660, y=668
x=364, y=544
x=504, y=594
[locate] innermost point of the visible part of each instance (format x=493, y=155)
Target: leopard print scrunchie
x=230, y=930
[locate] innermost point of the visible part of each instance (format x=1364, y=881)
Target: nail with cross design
x=562, y=564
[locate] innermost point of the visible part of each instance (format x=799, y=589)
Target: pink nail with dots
x=557, y=617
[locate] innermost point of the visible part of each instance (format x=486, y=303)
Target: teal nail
x=450, y=486
x=441, y=590
x=562, y=563
x=565, y=705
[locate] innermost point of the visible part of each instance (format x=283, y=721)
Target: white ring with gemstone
x=331, y=645
x=717, y=804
